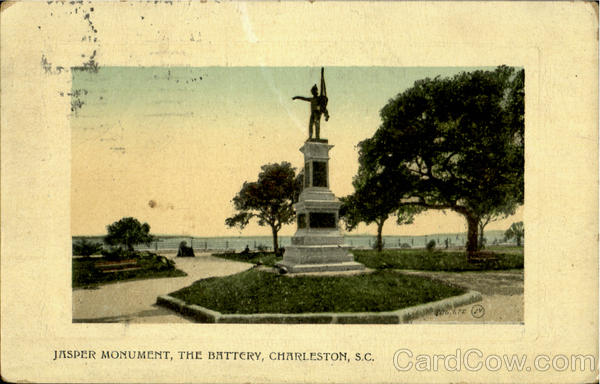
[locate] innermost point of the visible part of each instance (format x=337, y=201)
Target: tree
x=373, y=201
x=298, y=185
x=430, y=245
x=269, y=199
x=517, y=231
x=128, y=232
x=454, y=144
x=494, y=214
x=86, y=248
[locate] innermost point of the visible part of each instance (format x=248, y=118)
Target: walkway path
x=502, y=293
x=134, y=301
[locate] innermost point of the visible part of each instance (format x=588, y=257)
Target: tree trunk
x=472, y=234
x=275, y=243
x=480, y=242
x=379, y=238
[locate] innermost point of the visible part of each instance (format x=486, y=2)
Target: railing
x=217, y=244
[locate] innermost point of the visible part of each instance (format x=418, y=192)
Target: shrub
x=152, y=261
x=245, y=255
x=430, y=245
x=88, y=272
x=119, y=253
x=112, y=253
x=86, y=248
x=435, y=261
x=405, y=245
x=262, y=248
x=128, y=232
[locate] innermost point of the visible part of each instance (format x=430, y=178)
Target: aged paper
x=556, y=44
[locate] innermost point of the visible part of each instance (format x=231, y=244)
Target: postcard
x=299, y=192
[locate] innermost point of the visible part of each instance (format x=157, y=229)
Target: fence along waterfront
x=208, y=244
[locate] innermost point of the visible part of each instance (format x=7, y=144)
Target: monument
x=318, y=244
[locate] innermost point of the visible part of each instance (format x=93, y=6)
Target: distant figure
x=246, y=250
x=184, y=250
x=318, y=107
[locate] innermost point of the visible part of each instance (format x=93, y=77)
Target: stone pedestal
x=318, y=244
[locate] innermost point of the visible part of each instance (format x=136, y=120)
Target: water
x=171, y=243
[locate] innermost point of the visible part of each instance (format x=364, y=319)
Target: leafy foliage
x=374, y=200
x=494, y=214
x=516, y=230
x=269, y=199
x=430, y=245
x=86, y=248
x=118, y=253
x=262, y=248
x=454, y=143
x=128, y=232
x=149, y=265
x=436, y=260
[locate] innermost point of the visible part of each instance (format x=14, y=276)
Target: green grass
x=85, y=274
x=264, y=292
x=504, y=249
x=265, y=258
x=434, y=261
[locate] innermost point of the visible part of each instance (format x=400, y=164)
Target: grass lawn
x=256, y=291
x=434, y=261
x=86, y=274
x=504, y=249
x=265, y=258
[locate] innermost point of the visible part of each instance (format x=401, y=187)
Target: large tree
x=128, y=232
x=269, y=199
x=374, y=200
x=455, y=144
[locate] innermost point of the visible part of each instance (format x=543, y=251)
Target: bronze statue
x=318, y=107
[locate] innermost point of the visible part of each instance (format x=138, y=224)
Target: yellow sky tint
x=187, y=138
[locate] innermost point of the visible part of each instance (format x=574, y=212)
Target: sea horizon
x=237, y=243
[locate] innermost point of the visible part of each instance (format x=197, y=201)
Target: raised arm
x=323, y=90
x=301, y=98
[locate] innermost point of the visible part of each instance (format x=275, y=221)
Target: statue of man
x=318, y=107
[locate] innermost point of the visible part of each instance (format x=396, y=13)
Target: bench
x=117, y=266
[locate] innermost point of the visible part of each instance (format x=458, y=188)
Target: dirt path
x=134, y=301
x=502, y=293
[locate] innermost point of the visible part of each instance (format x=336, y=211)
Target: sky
x=172, y=146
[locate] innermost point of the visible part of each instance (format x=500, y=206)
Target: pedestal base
x=318, y=258
x=304, y=268
x=318, y=244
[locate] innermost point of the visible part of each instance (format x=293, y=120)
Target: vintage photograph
x=297, y=194
x=298, y=191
